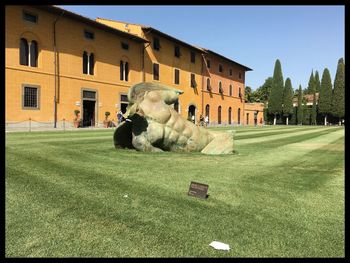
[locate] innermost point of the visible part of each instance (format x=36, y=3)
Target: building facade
x=58, y=62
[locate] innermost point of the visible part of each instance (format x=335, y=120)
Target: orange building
x=223, y=96
x=254, y=113
x=58, y=62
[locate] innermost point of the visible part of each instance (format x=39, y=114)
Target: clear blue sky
x=303, y=38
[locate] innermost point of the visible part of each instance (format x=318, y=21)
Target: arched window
x=230, y=90
x=85, y=63
x=192, y=113
x=23, y=50
x=91, y=64
x=220, y=88
x=124, y=70
x=33, y=53
x=88, y=63
x=239, y=115
x=208, y=84
x=219, y=115
x=229, y=115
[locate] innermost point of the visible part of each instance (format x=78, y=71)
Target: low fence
x=63, y=125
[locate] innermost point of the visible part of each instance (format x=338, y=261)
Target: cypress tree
x=300, y=108
x=314, y=109
x=338, y=102
x=306, y=114
x=325, y=99
x=317, y=81
x=288, y=100
x=310, y=87
x=276, y=95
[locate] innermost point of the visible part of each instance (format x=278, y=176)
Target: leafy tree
x=338, y=102
x=276, y=95
x=325, y=99
x=263, y=92
x=248, y=94
x=288, y=100
x=300, y=108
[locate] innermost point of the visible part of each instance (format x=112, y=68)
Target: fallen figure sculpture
x=153, y=125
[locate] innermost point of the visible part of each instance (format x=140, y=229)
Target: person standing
x=206, y=120
x=120, y=116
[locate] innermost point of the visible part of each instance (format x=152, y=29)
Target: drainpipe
x=143, y=56
x=203, y=57
x=55, y=65
x=143, y=62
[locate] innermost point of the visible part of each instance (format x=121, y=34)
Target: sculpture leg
x=221, y=144
x=141, y=143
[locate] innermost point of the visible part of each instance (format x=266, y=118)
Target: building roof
x=60, y=11
x=156, y=31
x=225, y=58
x=308, y=97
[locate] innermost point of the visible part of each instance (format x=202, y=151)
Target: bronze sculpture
x=152, y=125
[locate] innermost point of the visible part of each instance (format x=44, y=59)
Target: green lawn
x=280, y=195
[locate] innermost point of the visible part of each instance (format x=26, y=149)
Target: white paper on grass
x=219, y=245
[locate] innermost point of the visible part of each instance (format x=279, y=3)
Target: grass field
x=280, y=195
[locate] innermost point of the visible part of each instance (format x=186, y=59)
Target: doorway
x=247, y=119
x=239, y=116
x=219, y=115
x=89, y=113
x=123, y=107
x=229, y=115
x=192, y=113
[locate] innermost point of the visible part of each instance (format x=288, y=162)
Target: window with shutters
x=28, y=53
x=177, y=51
x=155, y=71
x=230, y=72
x=30, y=96
x=221, y=69
x=156, y=43
x=208, y=84
x=193, y=57
x=208, y=63
x=177, y=76
x=124, y=70
x=193, y=80
x=220, y=88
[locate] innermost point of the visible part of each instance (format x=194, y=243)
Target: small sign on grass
x=198, y=190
